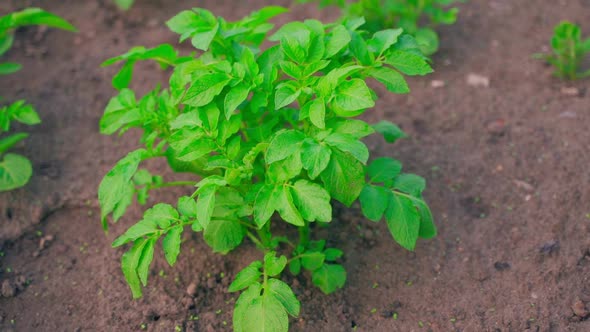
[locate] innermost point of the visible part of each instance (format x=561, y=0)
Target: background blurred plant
x=416, y=17
x=16, y=170
x=569, y=51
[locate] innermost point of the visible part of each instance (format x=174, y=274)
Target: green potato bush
x=265, y=133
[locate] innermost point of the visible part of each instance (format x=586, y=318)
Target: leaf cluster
x=16, y=170
x=569, y=50
x=416, y=17
x=265, y=132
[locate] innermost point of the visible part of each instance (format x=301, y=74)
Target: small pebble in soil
x=523, y=185
x=502, y=266
x=570, y=91
x=579, y=309
x=435, y=84
x=191, y=290
x=478, y=81
x=568, y=115
x=496, y=127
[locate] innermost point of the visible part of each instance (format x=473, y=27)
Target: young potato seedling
x=16, y=170
x=569, y=50
x=407, y=14
x=266, y=133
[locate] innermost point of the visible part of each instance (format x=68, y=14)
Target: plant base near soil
x=506, y=166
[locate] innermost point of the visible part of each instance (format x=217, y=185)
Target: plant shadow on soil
x=506, y=164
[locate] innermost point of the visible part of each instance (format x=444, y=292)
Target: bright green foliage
x=16, y=170
x=266, y=133
x=407, y=14
x=124, y=4
x=29, y=16
x=569, y=51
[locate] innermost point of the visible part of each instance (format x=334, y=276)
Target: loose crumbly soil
x=506, y=164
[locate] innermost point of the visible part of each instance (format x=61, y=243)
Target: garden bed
x=502, y=144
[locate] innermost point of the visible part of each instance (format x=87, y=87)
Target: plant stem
x=254, y=239
x=174, y=184
x=265, y=235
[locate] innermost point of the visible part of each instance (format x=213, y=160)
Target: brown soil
x=507, y=168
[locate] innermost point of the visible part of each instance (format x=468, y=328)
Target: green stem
x=174, y=184
x=265, y=235
x=254, y=239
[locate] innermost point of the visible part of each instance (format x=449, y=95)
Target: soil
x=505, y=154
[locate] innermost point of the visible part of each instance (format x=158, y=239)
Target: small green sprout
x=569, y=50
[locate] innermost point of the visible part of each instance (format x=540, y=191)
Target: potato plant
x=270, y=137
x=569, y=51
x=16, y=170
x=407, y=14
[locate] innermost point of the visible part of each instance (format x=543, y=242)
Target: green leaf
x=205, y=88
x=124, y=4
x=274, y=265
x=408, y=63
x=332, y=254
x=159, y=216
x=338, y=39
x=269, y=313
x=374, y=201
x=403, y=221
x=360, y=50
x=295, y=266
x=315, y=157
x=384, y=39
x=427, y=227
x=428, y=40
x=187, y=206
x=344, y=177
x=410, y=183
x=390, y=131
x=37, y=16
x=312, y=201
x=285, y=170
x=129, y=264
x=291, y=69
x=9, y=68
x=147, y=255
x=267, y=200
x=224, y=235
x=349, y=144
x=171, y=244
x=245, y=299
x=283, y=293
x=116, y=189
x=317, y=112
x=355, y=128
x=15, y=171
x=202, y=40
x=312, y=260
x=287, y=208
x=24, y=113
x=121, y=112
x=10, y=141
x=383, y=170
x=284, y=144
x=248, y=276
x=329, y=277
x=206, y=204
x=352, y=96
x=236, y=96
x=286, y=94
x=391, y=79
